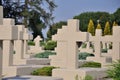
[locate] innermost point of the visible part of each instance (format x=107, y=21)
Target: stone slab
x=68, y=74
x=38, y=61
x=20, y=70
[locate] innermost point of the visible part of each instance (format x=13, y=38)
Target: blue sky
x=68, y=8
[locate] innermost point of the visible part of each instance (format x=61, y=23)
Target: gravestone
x=7, y=43
x=19, y=47
x=37, y=41
x=116, y=43
x=67, y=48
x=36, y=48
x=26, y=37
x=114, y=53
x=68, y=39
x=97, y=40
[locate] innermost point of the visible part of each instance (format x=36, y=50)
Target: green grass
x=31, y=43
x=44, y=54
x=45, y=71
x=92, y=64
x=84, y=55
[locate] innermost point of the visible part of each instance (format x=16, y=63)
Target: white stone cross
x=37, y=41
x=69, y=35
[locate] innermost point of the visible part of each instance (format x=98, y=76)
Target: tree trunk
x=0, y=2
x=25, y=17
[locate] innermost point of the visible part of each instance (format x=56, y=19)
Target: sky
x=67, y=9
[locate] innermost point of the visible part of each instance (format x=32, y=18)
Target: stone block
x=38, y=61
x=20, y=31
x=8, y=22
x=8, y=32
x=68, y=74
x=26, y=36
x=16, y=70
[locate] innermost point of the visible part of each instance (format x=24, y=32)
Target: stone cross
x=116, y=43
x=10, y=34
x=67, y=39
x=18, y=46
x=37, y=41
x=26, y=38
x=97, y=42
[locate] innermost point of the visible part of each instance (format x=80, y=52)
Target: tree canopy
x=54, y=27
x=25, y=11
x=115, y=24
x=95, y=16
x=84, y=18
x=117, y=16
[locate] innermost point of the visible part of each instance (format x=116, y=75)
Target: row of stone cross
x=67, y=45
x=13, y=42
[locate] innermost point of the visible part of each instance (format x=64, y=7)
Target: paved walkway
x=32, y=78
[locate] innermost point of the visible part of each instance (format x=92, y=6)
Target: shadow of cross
x=71, y=35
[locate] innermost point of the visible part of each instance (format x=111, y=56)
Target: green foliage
x=115, y=24
x=53, y=28
x=88, y=77
x=107, y=29
x=110, y=46
x=76, y=77
x=98, y=26
x=114, y=70
x=86, y=16
x=104, y=50
x=44, y=54
x=42, y=43
x=117, y=16
x=84, y=45
x=50, y=45
x=35, y=14
x=84, y=55
x=45, y=71
x=92, y=64
x=91, y=28
x=14, y=52
x=31, y=43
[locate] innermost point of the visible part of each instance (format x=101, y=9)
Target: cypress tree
x=107, y=28
x=98, y=26
x=91, y=28
x=115, y=24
